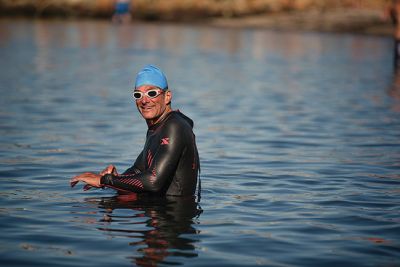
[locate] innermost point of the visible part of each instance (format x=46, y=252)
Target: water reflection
x=178, y=40
x=156, y=227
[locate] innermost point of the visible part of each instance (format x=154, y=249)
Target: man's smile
x=146, y=107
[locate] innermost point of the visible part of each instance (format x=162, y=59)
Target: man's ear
x=168, y=97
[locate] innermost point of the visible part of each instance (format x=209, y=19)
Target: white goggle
x=153, y=93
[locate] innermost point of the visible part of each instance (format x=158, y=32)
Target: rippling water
x=298, y=134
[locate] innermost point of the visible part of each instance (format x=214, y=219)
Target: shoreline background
x=356, y=16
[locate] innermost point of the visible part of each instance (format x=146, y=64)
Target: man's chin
x=147, y=115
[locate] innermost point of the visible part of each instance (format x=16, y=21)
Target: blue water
x=298, y=134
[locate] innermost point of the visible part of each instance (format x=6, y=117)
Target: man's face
x=150, y=107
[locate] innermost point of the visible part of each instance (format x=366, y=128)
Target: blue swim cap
x=151, y=75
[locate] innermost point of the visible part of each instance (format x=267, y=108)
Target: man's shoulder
x=176, y=124
x=178, y=119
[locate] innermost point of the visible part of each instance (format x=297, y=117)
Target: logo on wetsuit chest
x=165, y=141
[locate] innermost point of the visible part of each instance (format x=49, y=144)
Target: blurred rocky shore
x=360, y=16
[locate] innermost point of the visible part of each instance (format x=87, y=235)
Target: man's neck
x=154, y=121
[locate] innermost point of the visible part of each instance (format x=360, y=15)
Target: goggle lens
x=137, y=95
x=152, y=93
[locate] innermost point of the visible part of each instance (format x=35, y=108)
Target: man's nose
x=144, y=99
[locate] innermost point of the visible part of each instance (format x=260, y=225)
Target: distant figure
x=122, y=11
x=394, y=13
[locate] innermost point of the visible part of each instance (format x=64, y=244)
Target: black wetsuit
x=169, y=163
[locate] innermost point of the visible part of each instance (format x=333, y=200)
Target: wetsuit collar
x=162, y=118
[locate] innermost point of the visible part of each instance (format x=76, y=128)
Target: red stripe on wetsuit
x=122, y=182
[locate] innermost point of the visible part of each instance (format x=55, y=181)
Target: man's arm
x=161, y=170
x=93, y=179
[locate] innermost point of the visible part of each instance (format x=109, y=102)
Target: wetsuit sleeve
x=161, y=170
x=126, y=181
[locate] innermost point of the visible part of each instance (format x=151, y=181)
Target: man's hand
x=91, y=180
x=109, y=170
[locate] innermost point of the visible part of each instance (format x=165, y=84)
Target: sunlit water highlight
x=298, y=134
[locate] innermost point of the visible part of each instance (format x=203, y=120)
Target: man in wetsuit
x=169, y=162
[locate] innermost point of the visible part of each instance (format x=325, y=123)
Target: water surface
x=298, y=134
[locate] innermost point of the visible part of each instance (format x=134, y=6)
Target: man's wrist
x=106, y=179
